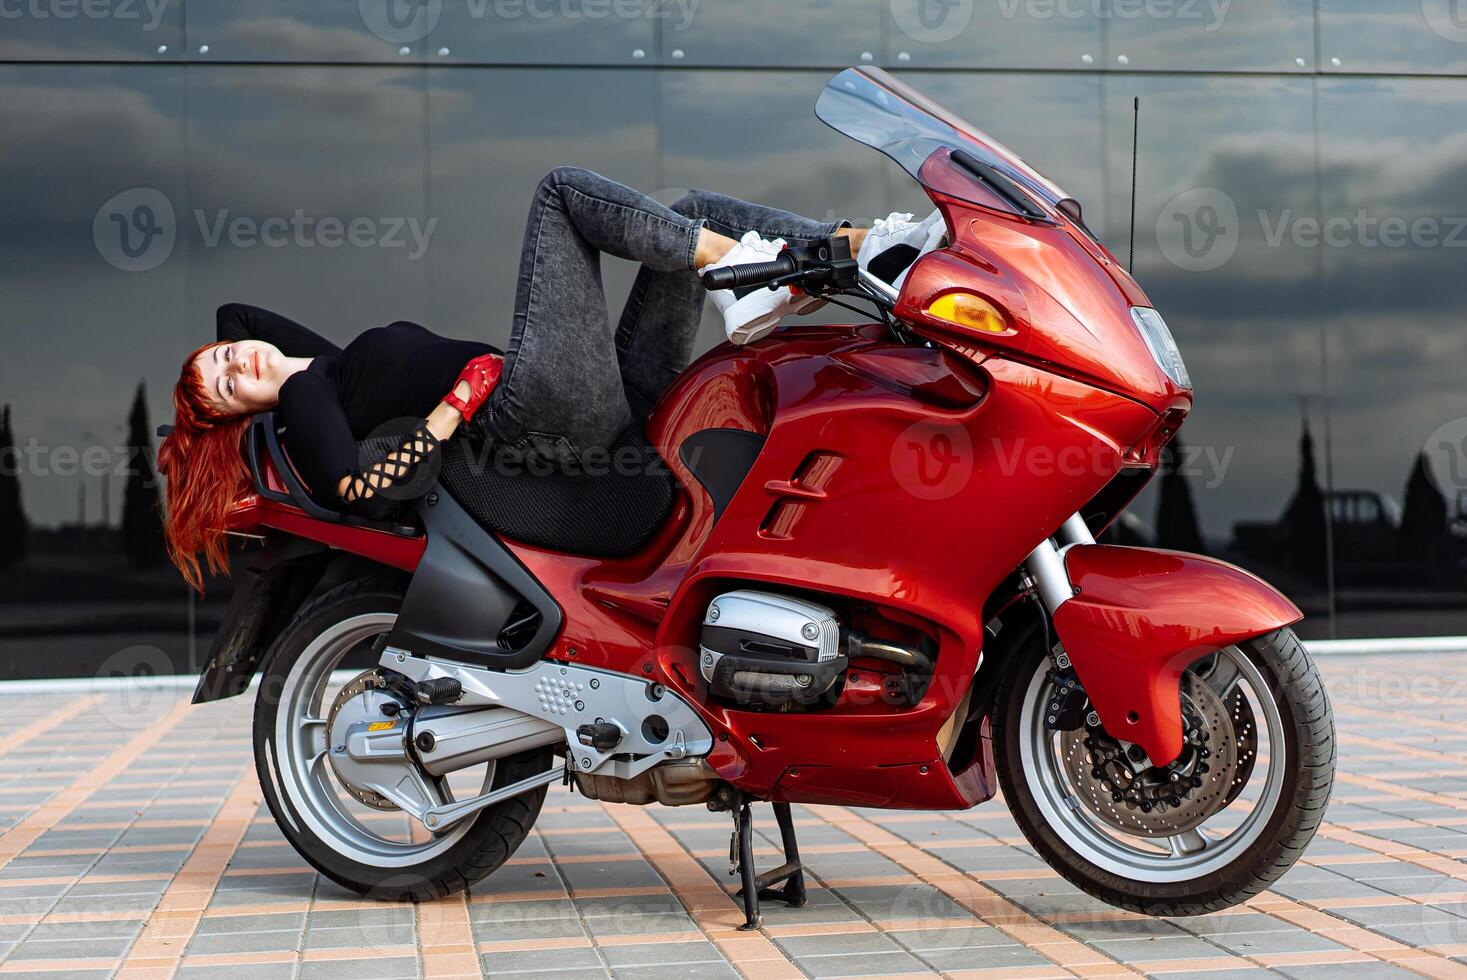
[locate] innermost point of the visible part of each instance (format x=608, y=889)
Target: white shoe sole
x=760, y=327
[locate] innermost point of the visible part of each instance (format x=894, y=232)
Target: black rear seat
x=610, y=511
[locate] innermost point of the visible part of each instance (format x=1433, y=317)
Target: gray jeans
x=571, y=382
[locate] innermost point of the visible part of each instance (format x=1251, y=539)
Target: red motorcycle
x=847, y=565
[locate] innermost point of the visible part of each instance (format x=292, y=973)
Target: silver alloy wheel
x=303, y=771
x=1189, y=855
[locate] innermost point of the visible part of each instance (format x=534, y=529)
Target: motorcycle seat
x=606, y=511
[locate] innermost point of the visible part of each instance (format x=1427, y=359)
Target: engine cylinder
x=772, y=650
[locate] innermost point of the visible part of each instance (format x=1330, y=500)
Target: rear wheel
x=1229, y=817
x=355, y=837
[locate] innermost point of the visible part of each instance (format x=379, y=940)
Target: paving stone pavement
x=135, y=844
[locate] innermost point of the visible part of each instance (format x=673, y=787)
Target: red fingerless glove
x=482, y=375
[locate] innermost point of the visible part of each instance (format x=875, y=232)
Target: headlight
x=1159, y=341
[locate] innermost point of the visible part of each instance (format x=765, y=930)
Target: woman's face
x=242, y=377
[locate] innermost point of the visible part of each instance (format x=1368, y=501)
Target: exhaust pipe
x=858, y=644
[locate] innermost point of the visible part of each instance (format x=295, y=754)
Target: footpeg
x=438, y=690
x=602, y=736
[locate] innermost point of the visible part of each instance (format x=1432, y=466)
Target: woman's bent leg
x=562, y=390
x=659, y=326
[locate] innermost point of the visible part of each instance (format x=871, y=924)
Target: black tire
x=496, y=832
x=1308, y=774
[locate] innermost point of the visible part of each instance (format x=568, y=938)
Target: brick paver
x=133, y=842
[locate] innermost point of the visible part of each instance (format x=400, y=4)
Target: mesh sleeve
x=369, y=491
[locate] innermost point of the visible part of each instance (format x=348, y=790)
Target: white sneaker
x=752, y=312
x=895, y=242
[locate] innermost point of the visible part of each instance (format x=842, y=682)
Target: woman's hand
x=470, y=391
x=475, y=384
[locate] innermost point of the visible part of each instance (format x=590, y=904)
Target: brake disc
x=1162, y=801
x=367, y=686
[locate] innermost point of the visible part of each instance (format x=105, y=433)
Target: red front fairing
x=1067, y=302
x=886, y=527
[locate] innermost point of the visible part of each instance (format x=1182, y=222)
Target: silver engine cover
x=769, y=648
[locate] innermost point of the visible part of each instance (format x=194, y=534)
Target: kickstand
x=761, y=886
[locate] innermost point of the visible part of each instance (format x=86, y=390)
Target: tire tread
x=1300, y=685
x=499, y=830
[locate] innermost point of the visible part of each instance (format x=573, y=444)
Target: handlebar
x=823, y=267
x=750, y=274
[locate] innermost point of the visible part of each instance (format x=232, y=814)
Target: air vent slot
x=806, y=486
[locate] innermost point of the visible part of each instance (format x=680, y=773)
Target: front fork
x=1046, y=563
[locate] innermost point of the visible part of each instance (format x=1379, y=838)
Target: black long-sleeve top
x=400, y=371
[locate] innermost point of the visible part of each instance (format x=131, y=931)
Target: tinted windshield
x=872, y=107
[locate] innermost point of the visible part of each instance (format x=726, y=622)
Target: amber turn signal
x=968, y=310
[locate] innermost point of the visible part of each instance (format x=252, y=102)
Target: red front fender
x=1140, y=616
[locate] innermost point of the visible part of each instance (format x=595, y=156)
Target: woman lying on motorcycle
x=568, y=381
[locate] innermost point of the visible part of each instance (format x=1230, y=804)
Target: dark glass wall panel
x=136, y=199
x=1397, y=36
x=740, y=33
x=997, y=34
x=93, y=277
x=308, y=191
x=1053, y=121
x=100, y=30
x=1394, y=184
x=493, y=134
x=766, y=145
x=576, y=32
x=1222, y=161
x=1212, y=35
x=392, y=31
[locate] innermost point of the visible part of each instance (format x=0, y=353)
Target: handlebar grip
x=751, y=274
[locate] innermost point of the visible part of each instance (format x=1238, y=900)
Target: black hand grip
x=752, y=274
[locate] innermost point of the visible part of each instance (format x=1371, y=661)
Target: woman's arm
x=362, y=490
x=237, y=321
x=322, y=446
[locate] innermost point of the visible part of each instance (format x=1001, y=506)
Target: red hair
x=203, y=462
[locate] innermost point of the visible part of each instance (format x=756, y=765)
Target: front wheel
x=1218, y=825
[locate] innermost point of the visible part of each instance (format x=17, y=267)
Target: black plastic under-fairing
x=465, y=590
